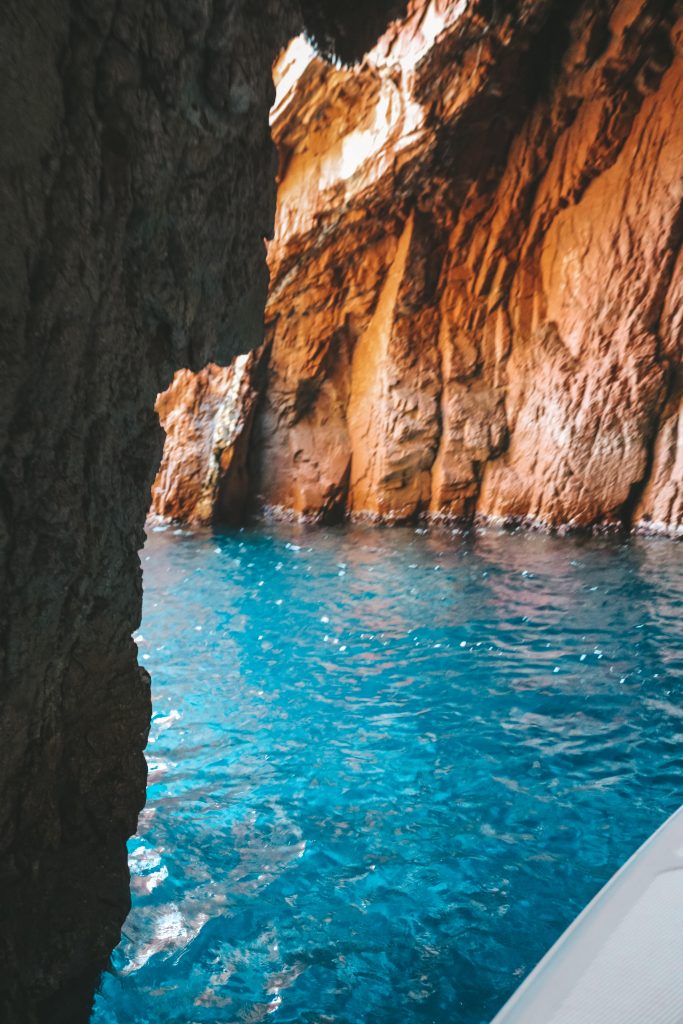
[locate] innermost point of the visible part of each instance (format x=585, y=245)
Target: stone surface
x=137, y=175
x=474, y=307
x=660, y=506
x=207, y=418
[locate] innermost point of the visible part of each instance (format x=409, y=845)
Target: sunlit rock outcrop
x=207, y=417
x=475, y=277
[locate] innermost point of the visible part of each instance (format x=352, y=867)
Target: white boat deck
x=621, y=961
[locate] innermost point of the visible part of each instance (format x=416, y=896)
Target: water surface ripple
x=388, y=767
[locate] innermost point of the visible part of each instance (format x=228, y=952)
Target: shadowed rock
x=137, y=180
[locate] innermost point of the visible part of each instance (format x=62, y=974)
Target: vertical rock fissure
x=369, y=394
x=441, y=413
x=671, y=370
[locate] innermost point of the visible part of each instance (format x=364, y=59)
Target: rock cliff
x=476, y=275
x=137, y=175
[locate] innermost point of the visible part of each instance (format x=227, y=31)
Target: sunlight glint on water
x=387, y=768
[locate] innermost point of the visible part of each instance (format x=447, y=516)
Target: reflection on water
x=387, y=767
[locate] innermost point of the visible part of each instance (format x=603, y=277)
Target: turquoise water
x=388, y=767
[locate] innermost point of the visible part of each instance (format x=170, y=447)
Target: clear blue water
x=387, y=768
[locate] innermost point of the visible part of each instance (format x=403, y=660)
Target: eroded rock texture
x=207, y=418
x=476, y=276
x=137, y=172
x=137, y=175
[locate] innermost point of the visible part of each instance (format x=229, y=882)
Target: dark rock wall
x=137, y=182
x=137, y=185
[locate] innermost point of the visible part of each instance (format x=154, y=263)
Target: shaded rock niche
x=137, y=175
x=476, y=282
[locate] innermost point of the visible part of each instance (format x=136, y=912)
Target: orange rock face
x=476, y=280
x=207, y=417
